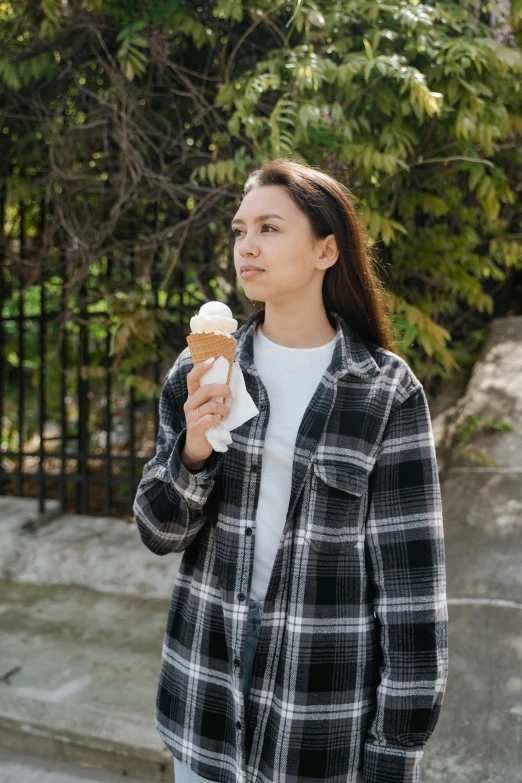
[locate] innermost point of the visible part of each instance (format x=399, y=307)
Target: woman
x=307, y=633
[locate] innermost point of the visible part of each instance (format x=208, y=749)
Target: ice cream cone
x=203, y=345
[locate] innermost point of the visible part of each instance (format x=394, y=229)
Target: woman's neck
x=296, y=329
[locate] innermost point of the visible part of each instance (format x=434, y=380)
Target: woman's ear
x=329, y=252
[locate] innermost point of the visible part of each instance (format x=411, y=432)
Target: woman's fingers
x=211, y=411
x=193, y=377
x=197, y=448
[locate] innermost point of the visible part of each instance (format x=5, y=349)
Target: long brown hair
x=351, y=286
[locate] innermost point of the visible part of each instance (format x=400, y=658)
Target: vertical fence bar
x=21, y=357
x=83, y=408
x=132, y=447
x=63, y=386
x=155, y=288
x=108, y=410
x=41, y=392
x=132, y=429
x=2, y=341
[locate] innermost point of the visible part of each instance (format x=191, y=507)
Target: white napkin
x=242, y=406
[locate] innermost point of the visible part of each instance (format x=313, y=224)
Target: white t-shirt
x=291, y=376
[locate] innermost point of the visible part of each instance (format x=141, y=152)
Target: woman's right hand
x=197, y=448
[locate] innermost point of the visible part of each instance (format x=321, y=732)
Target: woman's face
x=273, y=234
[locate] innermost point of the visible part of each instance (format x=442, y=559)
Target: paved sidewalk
x=84, y=670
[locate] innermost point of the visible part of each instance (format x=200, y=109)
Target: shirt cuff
x=392, y=764
x=194, y=488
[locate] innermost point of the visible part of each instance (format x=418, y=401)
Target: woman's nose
x=248, y=247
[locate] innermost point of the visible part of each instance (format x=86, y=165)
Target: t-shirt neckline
x=265, y=339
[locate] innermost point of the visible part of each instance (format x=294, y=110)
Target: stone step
x=78, y=678
x=101, y=553
x=23, y=768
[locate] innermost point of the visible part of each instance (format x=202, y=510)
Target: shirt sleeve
x=404, y=550
x=171, y=504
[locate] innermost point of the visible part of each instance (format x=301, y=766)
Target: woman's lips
x=247, y=273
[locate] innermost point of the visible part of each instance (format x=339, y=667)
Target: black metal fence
x=73, y=428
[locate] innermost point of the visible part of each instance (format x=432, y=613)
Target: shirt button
x=255, y=468
x=237, y=662
x=241, y=596
x=238, y=724
x=262, y=406
x=248, y=531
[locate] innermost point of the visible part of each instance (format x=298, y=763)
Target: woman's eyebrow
x=257, y=219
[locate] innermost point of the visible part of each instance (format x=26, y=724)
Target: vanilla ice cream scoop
x=211, y=336
x=214, y=317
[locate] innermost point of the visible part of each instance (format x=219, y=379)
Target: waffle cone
x=203, y=345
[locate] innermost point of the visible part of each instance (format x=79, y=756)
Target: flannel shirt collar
x=350, y=355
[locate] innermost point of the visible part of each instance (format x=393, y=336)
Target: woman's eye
x=236, y=231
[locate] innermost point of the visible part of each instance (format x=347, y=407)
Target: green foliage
x=129, y=126
x=133, y=61
x=474, y=425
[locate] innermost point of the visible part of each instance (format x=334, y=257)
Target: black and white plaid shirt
x=351, y=665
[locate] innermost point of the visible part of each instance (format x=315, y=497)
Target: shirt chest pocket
x=337, y=507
